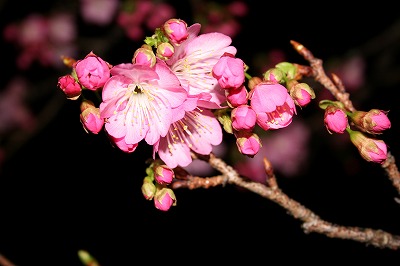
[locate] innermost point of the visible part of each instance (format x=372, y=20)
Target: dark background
x=65, y=190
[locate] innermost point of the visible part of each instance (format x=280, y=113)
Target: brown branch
x=311, y=221
x=318, y=73
x=392, y=171
x=337, y=89
x=5, y=262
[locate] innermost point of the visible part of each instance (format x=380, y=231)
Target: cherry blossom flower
x=273, y=105
x=196, y=129
x=138, y=103
x=193, y=61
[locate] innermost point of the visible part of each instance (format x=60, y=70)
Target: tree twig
x=311, y=221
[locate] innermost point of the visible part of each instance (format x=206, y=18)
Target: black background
x=66, y=190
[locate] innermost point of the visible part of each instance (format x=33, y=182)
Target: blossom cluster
x=182, y=90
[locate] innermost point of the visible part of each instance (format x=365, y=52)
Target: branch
x=337, y=89
x=5, y=262
x=311, y=221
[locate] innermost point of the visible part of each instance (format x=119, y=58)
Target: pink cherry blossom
x=99, y=12
x=193, y=61
x=138, y=102
x=196, y=129
x=273, y=105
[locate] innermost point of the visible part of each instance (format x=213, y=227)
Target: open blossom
x=195, y=129
x=92, y=71
x=193, y=61
x=138, y=102
x=273, y=105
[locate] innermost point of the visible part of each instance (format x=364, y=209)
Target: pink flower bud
x=92, y=71
x=70, y=87
x=165, y=50
x=274, y=75
x=90, y=117
x=248, y=143
x=301, y=93
x=374, y=122
x=164, y=199
x=175, y=30
x=335, y=119
x=144, y=56
x=237, y=96
x=229, y=71
x=372, y=150
x=243, y=118
x=163, y=174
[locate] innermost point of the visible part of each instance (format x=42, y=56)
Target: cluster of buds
x=90, y=73
x=269, y=103
x=338, y=119
x=155, y=185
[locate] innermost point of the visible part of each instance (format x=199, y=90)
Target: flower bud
x=175, y=30
x=243, y=118
x=71, y=88
x=229, y=71
x=372, y=150
x=92, y=71
x=144, y=56
x=236, y=96
x=374, y=122
x=248, y=143
x=301, y=93
x=164, y=199
x=90, y=117
x=148, y=188
x=165, y=50
x=335, y=119
x=274, y=75
x=163, y=174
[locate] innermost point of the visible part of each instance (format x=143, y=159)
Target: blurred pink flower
x=100, y=12
x=193, y=61
x=14, y=111
x=42, y=39
x=286, y=149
